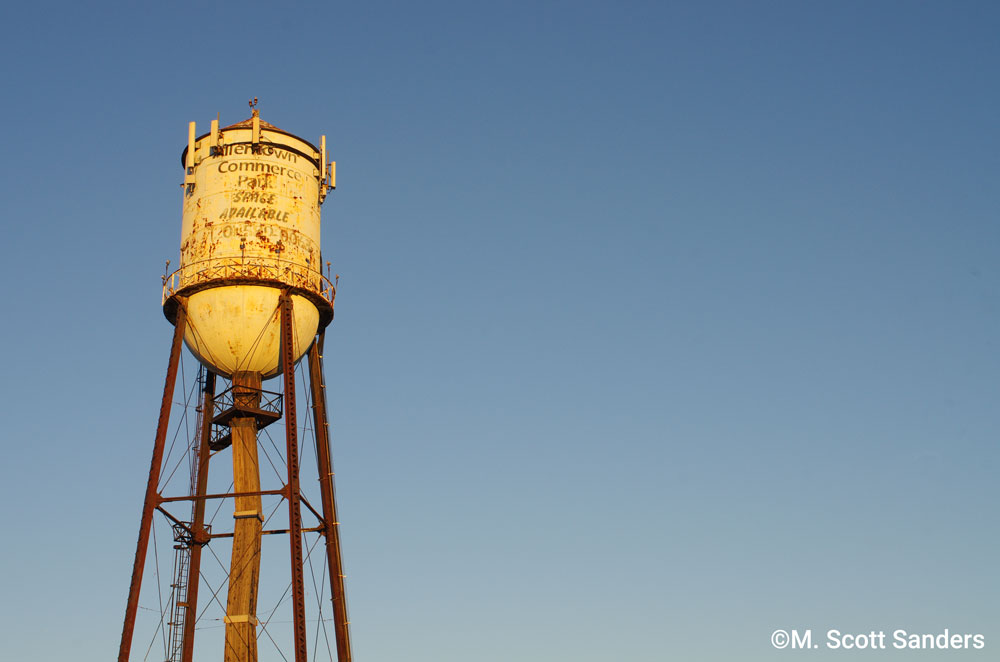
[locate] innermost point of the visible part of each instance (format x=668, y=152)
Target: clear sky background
x=660, y=326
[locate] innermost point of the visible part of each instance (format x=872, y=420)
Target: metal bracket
x=243, y=618
x=248, y=514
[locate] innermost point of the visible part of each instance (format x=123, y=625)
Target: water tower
x=249, y=300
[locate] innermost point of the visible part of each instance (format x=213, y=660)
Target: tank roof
x=248, y=123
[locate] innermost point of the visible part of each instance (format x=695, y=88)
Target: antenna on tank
x=214, y=144
x=255, y=135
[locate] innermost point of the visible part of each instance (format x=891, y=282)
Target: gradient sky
x=660, y=326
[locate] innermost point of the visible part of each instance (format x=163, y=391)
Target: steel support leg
x=152, y=494
x=198, y=521
x=330, y=523
x=292, y=458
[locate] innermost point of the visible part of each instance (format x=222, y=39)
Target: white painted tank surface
x=251, y=228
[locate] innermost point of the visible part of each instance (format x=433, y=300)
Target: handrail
x=270, y=401
x=251, y=268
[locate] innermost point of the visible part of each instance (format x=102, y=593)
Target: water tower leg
x=152, y=495
x=331, y=526
x=244, y=571
x=198, y=521
x=292, y=459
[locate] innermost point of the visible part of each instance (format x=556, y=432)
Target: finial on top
x=253, y=107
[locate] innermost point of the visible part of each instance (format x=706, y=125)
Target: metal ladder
x=182, y=554
x=179, y=612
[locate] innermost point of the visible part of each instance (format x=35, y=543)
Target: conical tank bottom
x=238, y=328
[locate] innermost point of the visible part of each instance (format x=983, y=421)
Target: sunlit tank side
x=250, y=229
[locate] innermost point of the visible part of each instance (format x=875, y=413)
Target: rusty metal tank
x=250, y=229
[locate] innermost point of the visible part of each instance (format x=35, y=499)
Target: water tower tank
x=251, y=228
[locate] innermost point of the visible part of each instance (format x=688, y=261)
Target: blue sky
x=660, y=326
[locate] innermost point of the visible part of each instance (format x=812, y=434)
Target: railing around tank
x=251, y=268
